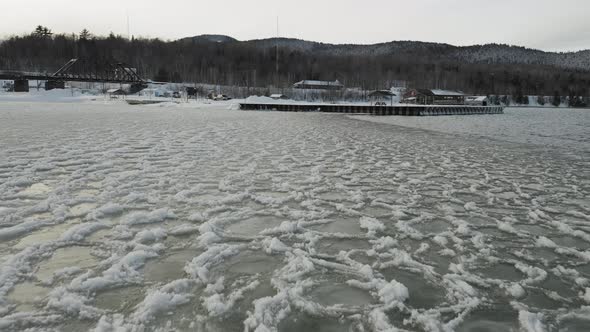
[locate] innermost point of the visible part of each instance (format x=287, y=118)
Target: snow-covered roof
x=115, y=91
x=312, y=82
x=438, y=92
x=277, y=95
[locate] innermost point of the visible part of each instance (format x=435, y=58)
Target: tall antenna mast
x=277, y=57
x=128, y=29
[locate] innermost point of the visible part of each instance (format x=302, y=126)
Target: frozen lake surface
x=119, y=218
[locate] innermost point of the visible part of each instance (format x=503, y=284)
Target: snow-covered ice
x=187, y=218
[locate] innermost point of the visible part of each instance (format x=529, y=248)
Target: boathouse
x=434, y=97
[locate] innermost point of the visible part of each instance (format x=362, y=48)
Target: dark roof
x=379, y=93
x=116, y=91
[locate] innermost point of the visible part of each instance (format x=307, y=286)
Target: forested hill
x=217, y=59
x=477, y=54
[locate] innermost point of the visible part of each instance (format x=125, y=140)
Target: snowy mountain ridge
x=475, y=54
x=211, y=38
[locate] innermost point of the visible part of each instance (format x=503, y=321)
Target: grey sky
x=545, y=24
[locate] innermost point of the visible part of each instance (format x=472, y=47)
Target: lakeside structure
x=403, y=110
x=434, y=97
x=416, y=102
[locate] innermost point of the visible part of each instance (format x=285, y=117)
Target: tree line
x=250, y=65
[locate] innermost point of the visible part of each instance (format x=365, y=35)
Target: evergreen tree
x=519, y=98
x=162, y=75
x=47, y=32
x=176, y=78
x=85, y=35
x=42, y=32
x=38, y=31
x=556, y=99
x=505, y=100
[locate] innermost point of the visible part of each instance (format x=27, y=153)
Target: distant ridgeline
x=488, y=69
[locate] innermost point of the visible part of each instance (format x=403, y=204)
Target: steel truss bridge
x=82, y=70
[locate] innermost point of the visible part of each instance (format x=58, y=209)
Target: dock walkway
x=403, y=110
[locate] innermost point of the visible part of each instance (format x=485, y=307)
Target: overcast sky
x=556, y=25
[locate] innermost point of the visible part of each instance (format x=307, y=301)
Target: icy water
x=559, y=127
x=118, y=218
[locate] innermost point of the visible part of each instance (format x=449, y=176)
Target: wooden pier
x=403, y=110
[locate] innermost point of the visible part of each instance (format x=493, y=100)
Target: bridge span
x=77, y=70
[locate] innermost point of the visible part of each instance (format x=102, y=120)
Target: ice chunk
x=393, y=293
x=80, y=232
x=163, y=299
x=106, y=210
x=218, y=304
x=545, y=242
x=531, y=322
x=184, y=229
x=515, y=290
x=142, y=217
x=274, y=245
x=372, y=225
x=199, y=267
x=268, y=313
x=71, y=303
x=150, y=235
